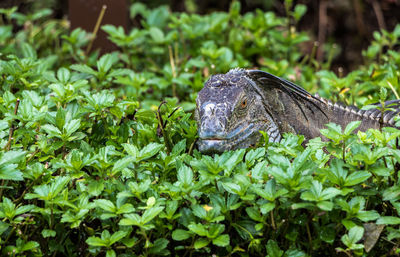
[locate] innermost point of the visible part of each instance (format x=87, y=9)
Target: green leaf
x=58, y=89
x=388, y=220
x=300, y=160
x=95, y=241
x=130, y=219
x=185, y=175
x=327, y=234
x=28, y=51
x=355, y=234
x=337, y=172
x=95, y=187
x=111, y=253
x=254, y=214
x=117, y=236
x=132, y=150
x=84, y=69
x=234, y=159
x=63, y=75
x=158, y=17
x=393, y=233
x=51, y=130
x=122, y=164
x=222, y=240
x=129, y=242
x=325, y=205
x=180, y=234
x=267, y=207
x=150, y=150
x=48, y=233
x=151, y=213
x=334, y=132
x=28, y=246
x=151, y=201
x=105, y=62
x=199, y=211
x=299, y=11
x=126, y=208
x=156, y=34
x=72, y=126
x=106, y=205
x=273, y=249
x=171, y=208
x=231, y=187
x=294, y=253
x=7, y=209
x=200, y=243
x=368, y=215
x=259, y=170
x=199, y=229
x=9, y=172
x=302, y=205
x=10, y=157
x=351, y=127
x=3, y=227
x=179, y=147
x=356, y=178
x=391, y=193
x=58, y=185
x=329, y=193
x=159, y=247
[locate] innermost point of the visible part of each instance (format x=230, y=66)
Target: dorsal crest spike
x=236, y=70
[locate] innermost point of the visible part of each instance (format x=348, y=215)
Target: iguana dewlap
x=233, y=108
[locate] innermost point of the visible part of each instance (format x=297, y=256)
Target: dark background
x=348, y=23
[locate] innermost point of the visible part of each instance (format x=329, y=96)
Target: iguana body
x=232, y=108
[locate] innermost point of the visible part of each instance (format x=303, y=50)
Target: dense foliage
x=96, y=159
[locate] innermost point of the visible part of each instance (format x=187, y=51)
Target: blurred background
x=347, y=24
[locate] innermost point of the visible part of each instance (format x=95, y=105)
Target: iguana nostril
x=209, y=109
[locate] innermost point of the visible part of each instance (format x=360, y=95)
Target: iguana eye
x=243, y=104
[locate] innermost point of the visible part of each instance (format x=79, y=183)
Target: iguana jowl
x=232, y=108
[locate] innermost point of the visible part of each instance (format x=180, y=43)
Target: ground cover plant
x=97, y=160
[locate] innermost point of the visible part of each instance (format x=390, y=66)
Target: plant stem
x=344, y=151
x=393, y=89
x=33, y=155
x=51, y=217
x=96, y=29
x=313, y=52
x=272, y=220
x=189, y=248
x=379, y=15
x=172, y=62
x=27, y=189
x=11, y=131
x=330, y=56
x=192, y=147
x=309, y=235
x=162, y=128
x=9, y=235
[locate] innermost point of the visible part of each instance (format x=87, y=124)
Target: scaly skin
x=233, y=108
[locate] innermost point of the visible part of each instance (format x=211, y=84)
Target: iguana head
x=230, y=113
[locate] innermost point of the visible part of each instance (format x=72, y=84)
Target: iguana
x=233, y=108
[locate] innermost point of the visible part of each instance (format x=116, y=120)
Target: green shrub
x=96, y=160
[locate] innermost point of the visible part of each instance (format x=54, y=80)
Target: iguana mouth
x=242, y=136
